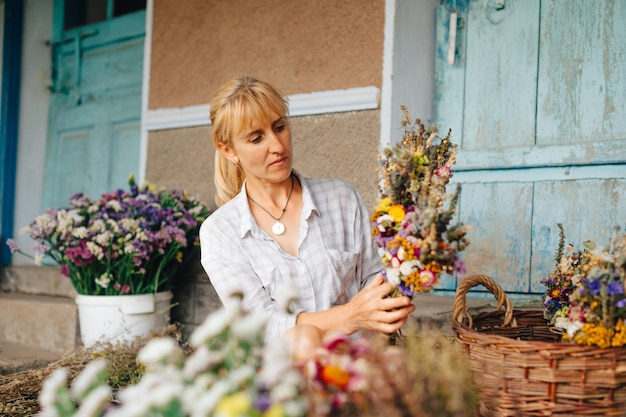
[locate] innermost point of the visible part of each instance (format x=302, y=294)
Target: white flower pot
x=121, y=318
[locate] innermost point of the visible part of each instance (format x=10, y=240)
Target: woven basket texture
x=523, y=369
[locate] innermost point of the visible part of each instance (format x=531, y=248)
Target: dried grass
x=19, y=391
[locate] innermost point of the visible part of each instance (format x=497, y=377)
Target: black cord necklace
x=278, y=228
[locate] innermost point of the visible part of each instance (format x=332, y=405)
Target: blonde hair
x=235, y=106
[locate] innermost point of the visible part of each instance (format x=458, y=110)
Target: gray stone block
x=49, y=323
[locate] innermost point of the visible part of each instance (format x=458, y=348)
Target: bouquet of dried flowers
x=126, y=242
x=559, y=284
x=585, y=293
x=412, y=226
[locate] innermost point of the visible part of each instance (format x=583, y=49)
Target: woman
x=276, y=229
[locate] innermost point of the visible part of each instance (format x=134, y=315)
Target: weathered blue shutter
x=535, y=99
x=95, y=107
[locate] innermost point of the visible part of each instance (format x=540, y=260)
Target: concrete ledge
x=49, y=323
x=15, y=357
x=36, y=280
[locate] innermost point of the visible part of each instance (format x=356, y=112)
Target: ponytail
x=228, y=179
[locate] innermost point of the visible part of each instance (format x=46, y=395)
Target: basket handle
x=459, y=310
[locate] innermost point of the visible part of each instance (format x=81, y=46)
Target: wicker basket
x=522, y=369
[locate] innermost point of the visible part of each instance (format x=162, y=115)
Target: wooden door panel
x=78, y=163
x=582, y=76
x=125, y=152
x=499, y=214
x=111, y=67
x=95, y=108
x=588, y=209
x=450, y=77
x=500, y=80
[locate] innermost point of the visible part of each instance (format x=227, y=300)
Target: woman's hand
x=370, y=310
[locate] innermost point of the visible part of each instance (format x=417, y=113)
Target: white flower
x=573, y=327
x=240, y=374
x=45, y=222
x=393, y=276
x=26, y=230
x=275, y=361
x=164, y=394
x=214, y=324
x=128, y=224
x=198, y=361
x=51, y=386
x=115, y=205
x=141, y=236
x=158, y=350
x=95, y=250
x=104, y=280
x=38, y=258
x=95, y=402
x=251, y=326
x=104, y=238
x=196, y=390
x=284, y=391
x=561, y=322
x=80, y=232
x=88, y=378
x=408, y=267
x=98, y=226
x=205, y=405
x=114, y=226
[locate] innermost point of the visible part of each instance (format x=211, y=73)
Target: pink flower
x=427, y=278
x=12, y=245
x=443, y=172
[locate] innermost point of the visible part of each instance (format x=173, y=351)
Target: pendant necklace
x=278, y=228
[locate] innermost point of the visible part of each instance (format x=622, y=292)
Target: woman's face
x=263, y=150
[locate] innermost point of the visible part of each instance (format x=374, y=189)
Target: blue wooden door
x=95, y=105
x=535, y=99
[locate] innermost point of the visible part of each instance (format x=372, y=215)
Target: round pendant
x=278, y=228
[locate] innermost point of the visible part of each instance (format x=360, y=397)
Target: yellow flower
x=594, y=335
x=179, y=256
x=276, y=410
x=397, y=212
x=233, y=405
x=383, y=205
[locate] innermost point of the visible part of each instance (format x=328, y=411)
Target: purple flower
x=594, y=286
x=12, y=245
x=615, y=288
x=263, y=401
x=459, y=266
x=621, y=303
x=405, y=290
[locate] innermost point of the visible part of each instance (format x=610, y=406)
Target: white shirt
x=335, y=254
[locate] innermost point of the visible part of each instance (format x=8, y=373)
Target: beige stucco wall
x=337, y=145
x=298, y=46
